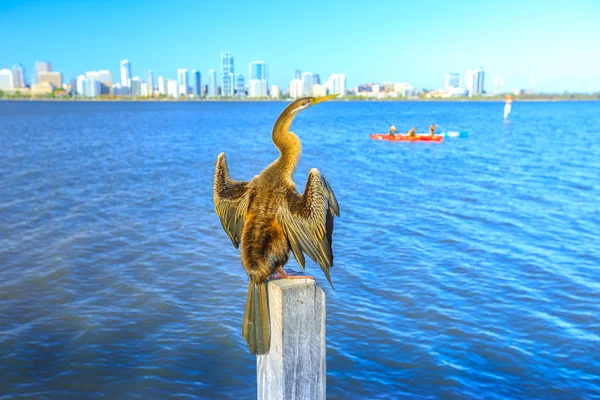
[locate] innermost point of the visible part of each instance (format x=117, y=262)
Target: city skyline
x=514, y=41
x=96, y=83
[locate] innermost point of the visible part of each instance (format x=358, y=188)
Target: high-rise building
x=474, y=82
x=81, y=85
x=53, y=78
x=117, y=89
x=19, y=80
x=316, y=79
x=452, y=81
x=275, y=93
x=296, y=88
x=135, y=86
x=240, y=85
x=172, y=88
x=337, y=84
x=307, y=83
x=212, y=83
x=40, y=68
x=481, y=80
x=92, y=74
x=162, y=86
x=319, y=90
x=6, y=79
x=73, y=84
x=106, y=81
x=150, y=83
x=227, y=71
x=93, y=84
x=297, y=74
x=196, y=83
x=144, y=89
x=183, y=81
x=126, y=74
x=258, y=83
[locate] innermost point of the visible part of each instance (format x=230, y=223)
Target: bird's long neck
x=288, y=144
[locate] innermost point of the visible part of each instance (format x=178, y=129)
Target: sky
x=555, y=44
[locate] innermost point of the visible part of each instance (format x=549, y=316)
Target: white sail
x=507, y=109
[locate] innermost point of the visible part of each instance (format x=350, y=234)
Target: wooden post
x=294, y=368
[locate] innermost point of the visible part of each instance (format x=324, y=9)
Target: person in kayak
x=412, y=132
x=432, y=130
x=392, y=131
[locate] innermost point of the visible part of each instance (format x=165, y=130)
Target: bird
x=270, y=219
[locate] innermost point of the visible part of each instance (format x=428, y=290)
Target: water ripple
x=465, y=269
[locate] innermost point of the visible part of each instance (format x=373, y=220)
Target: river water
x=465, y=269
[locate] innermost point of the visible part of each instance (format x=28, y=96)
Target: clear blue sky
x=556, y=42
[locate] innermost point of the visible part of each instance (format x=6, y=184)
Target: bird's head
x=306, y=102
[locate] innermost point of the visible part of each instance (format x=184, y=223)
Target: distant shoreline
x=407, y=100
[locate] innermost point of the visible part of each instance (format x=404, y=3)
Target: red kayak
x=406, y=138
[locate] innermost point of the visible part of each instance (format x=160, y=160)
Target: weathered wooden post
x=295, y=367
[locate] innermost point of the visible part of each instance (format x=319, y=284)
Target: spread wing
x=231, y=201
x=308, y=221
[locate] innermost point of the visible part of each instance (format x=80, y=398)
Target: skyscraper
x=144, y=89
x=73, y=84
x=19, y=80
x=274, y=93
x=481, y=80
x=240, y=85
x=319, y=90
x=297, y=74
x=162, y=86
x=106, y=81
x=257, y=86
x=6, y=79
x=150, y=83
x=212, y=83
x=316, y=79
x=183, y=81
x=93, y=87
x=296, y=88
x=81, y=85
x=41, y=67
x=337, y=84
x=126, y=75
x=227, y=72
x=117, y=90
x=135, y=86
x=196, y=83
x=172, y=88
x=474, y=82
x=307, y=83
x=452, y=81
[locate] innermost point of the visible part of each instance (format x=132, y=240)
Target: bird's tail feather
x=255, y=328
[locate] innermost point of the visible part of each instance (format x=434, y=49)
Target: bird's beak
x=322, y=99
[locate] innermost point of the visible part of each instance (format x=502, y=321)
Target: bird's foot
x=289, y=274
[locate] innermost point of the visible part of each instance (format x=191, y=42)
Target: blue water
x=466, y=269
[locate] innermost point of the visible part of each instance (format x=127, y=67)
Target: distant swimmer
x=392, y=130
x=412, y=132
x=507, y=106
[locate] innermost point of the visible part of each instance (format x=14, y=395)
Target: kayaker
x=432, y=130
x=412, y=132
x=392, y=131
